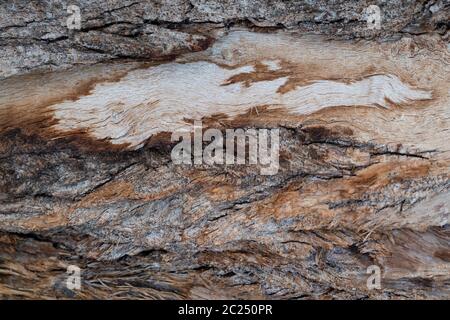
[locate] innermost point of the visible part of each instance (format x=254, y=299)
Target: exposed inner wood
x=86, y=176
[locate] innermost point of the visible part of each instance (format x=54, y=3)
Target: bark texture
x=86, y=176
x=34, y=34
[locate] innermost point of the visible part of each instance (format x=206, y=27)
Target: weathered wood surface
x=86, y=176
x=34, y=33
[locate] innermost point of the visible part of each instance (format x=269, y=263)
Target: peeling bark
x=86, y=176
x=34, y=34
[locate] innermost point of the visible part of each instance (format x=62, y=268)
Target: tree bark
x=87, y=179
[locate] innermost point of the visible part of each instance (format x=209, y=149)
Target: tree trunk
x=87, y=178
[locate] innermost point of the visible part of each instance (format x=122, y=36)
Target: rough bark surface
x=86, y=176
x=34, y=34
